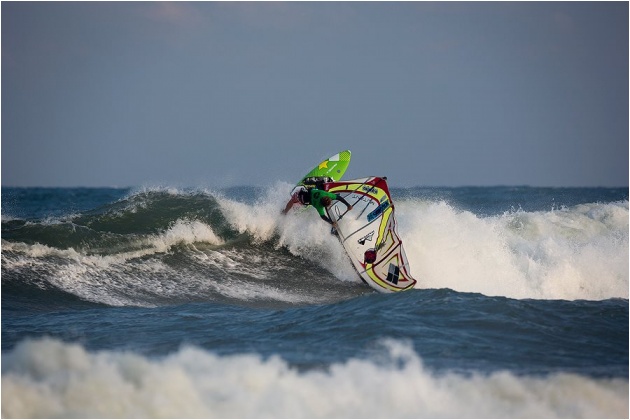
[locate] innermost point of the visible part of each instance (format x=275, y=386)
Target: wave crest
x=578, y=252
x=572, y=253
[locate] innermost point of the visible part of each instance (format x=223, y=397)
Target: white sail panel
x=369, y=234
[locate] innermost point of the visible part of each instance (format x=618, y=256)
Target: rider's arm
x=290, y=204
x=288, y=207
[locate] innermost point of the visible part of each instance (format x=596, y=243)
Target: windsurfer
x=317, y=198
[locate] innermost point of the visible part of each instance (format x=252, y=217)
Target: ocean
x=160, y=302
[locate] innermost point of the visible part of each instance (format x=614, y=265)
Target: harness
x=304, y=195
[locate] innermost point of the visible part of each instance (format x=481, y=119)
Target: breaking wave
x=158, y=246
x=48, y=378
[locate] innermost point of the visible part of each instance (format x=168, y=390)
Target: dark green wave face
x=122, y=225
x=159, y=247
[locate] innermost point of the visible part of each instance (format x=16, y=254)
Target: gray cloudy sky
x=220, y=94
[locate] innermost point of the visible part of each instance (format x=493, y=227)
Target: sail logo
x=367, y=237
x=378, y=211
x=393, y=273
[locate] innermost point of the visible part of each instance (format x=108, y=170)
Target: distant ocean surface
x=180, y=303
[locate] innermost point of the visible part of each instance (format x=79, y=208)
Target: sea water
x=171, y=302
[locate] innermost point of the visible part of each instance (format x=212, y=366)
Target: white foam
x=186, y=232
x=180, y=232
x=569, y=253
x=573, y=253
x=119, y=279
x=47, y=378
x=126, y=278
x=249, y=283
x=301, y=231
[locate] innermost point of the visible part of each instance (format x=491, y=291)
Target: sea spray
x=166, y=302
x=201, y=237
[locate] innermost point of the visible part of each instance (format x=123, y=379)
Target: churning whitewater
x=200, y=245
x=164, y=302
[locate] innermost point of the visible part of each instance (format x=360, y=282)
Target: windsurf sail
x=369, y=235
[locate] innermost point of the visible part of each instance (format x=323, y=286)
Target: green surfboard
x=334, y=167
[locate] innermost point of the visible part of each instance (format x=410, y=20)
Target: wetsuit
x=313, y=196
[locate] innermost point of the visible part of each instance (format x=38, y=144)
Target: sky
x=250, y=93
